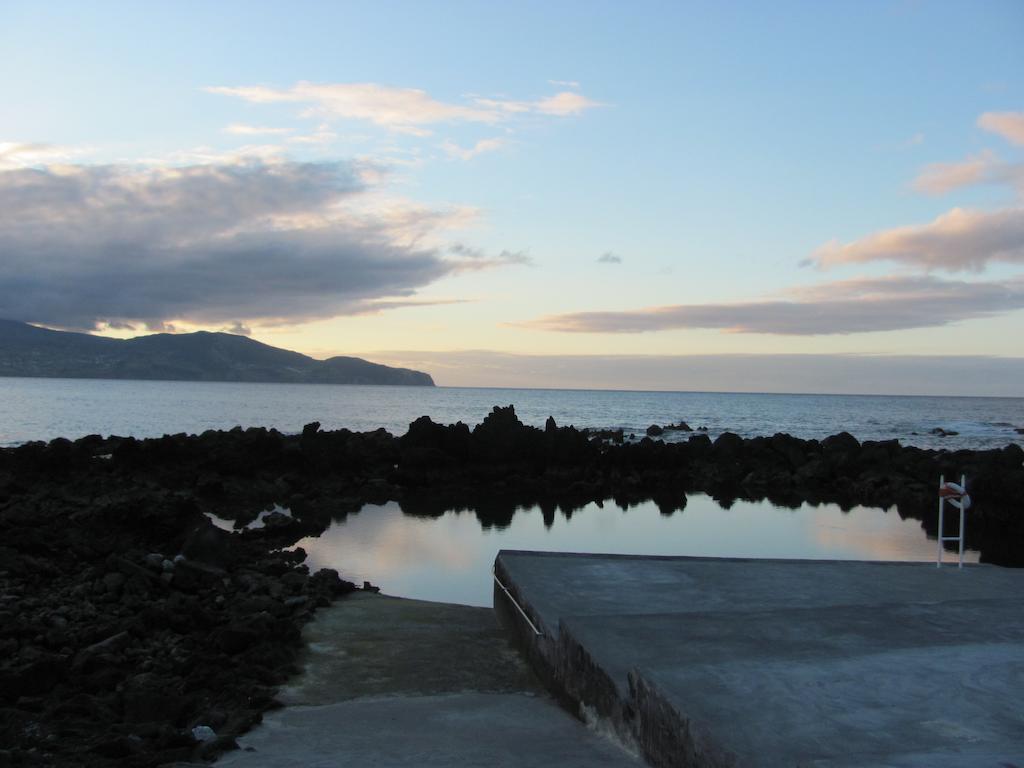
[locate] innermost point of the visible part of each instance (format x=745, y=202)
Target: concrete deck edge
x=696, y=558
x=669, y=738
x=641, y=718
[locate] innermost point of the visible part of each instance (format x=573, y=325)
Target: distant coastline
x=27, y=351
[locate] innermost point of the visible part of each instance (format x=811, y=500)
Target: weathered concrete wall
x=705, y=662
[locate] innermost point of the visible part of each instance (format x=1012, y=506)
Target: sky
x=794, y=196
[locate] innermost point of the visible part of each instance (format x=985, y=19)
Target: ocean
x=42, y=409
x=448, y=558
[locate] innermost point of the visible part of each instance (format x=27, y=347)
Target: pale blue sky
x=711, y=147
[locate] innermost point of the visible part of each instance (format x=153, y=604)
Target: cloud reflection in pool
x=449, y=558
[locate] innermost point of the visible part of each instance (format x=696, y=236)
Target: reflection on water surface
x=448, y=558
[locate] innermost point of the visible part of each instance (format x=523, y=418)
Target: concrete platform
x=392, y=682
x=722, y=662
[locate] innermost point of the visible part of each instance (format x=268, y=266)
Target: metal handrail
x=508, y=594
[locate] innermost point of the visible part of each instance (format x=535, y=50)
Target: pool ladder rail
x=956, y=496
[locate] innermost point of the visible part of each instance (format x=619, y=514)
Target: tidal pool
x=448, y=558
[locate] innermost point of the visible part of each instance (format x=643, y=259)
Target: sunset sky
x=531, y=194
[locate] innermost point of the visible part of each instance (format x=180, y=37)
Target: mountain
x=26, y=350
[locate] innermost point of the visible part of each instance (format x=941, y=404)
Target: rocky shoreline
x=135, y=632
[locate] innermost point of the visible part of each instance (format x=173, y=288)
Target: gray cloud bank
x=827, y=374
x=236, y=242
x=842, y=307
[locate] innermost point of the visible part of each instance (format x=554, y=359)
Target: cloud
x=205, y=155
x=849, y=306
x=560, y=104
x=475, y=258
x=322, y=135
x=240, y=129
x=468, y=251
x=565, y=103
x=237, y=328
x=1009, y=125
x=940, y=178
x=406, y=110
x=15, y=154
x=957, y=240
x=401, y=108
x=214, y=244
x=515, y=257
x=564, y=83
x=977, y=375
x=376, y=307
x=983, y=168
x=482, y=146
x=409, y=223
x=609, y=258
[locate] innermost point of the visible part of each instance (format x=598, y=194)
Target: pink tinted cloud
x=957, y=240
x=843, y=307
x=982, y=168
x=1009, y=125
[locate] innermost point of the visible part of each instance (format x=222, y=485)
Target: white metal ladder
x=957, y=497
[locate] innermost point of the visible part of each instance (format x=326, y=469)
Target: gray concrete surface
x=782, y=663
x=374, y=645
x=392, y=682
x=464, y=729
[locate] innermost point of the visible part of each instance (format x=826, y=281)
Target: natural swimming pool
x=448, y=557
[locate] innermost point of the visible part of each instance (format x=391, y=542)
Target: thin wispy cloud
x=940, y=178
x=477, y=256
x=286, y=242
x=241, y=129
x=844, y=307
x=377, y=306
x=206, y=155
x=322, y=135
x=468, y=251
x=1009, y=125
x=955, y=241
x=560, y=104
x=468, y=153
x=565, y=103
x=515, y=257
x=983, y=168
x=407, y=110
x=237, y=328
x=383, y=105
x=609, y=258
x=851, y=373
x=15, y=154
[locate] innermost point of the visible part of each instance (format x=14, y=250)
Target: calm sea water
x=449, y=558
x=41, y=409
